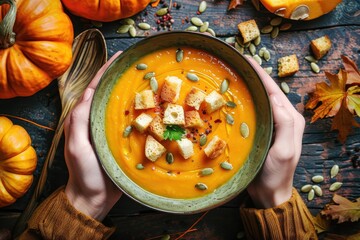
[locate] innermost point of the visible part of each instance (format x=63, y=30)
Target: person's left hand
x=89, y=189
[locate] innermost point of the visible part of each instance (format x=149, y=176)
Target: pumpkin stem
x=7, y=36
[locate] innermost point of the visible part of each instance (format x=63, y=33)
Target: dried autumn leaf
x=343, y=210
x=353, y=100
x=234, y=3
x=321, y=224
x=353, y=74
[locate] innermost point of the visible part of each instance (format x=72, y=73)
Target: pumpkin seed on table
x=211, y=31
x=311, y=195
x=306, y=188
x=127, y=131
x=206, y=171
x=230, y=40
x=144, y=26
x=149, y=75
x=202, y=140
x=169, y=158
x=285, y=26
x=317, y=179
x=311, y=59
x=202, y=6
x=261, y=51
x=257, y=59
x=268, y=70
x=204, y=27
x=128, y=21
x=192, y=77
x=191, y=29
x=267, y=29
x=165, y=237
x=229, y=119
x=132, y=31
x=224, y=86
x=201, y=186
x=334, y=171
x=276, y=21
x=162, y=11
x=123, y=29
x=275, y=32
x=266, y=55
x=141, y=66
x=244, y=130
x=196, y=21
x=314, y=67
x=226, y=165
x=335, y=186
x=239, y=48
x=139, y=166
x=285, y=87
x=252, y=49
x=317, y=190
x=179, y=55
x=257, y=41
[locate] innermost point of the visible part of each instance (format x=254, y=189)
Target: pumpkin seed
x=239, y=40
x=230, y=40
x=310, y=59
x=203, y=140
x=334, y=171
x=261, y=51
x=244, y=130
x=311, y=195
x=306, y=188
x=144, y=26
x=162, y=11
x=224, y=86
x=252, y=49
x=206, y=171
x=335, y=186
x=123, y=29
x=149, y=75
x=267, y=55
x=97, y=24
x=275, y=32
x=192, y=77
x=239, y=48
x=317, y=179
x=276, y=21
x=132, y=31
x=179, y=55
x=141, y=66
x=315, y=67
x=201, y=186
x=246, y=45
x=285, y=26
x=268, y=70
x=204, y=27
x=285, y=87
x=267, y=29
x=139, y=166
x=191, y=29
x=127, y=131
x=229, y=119
x=231, y=104
x=154, y=84
x=128, y=21
x=169, y=158
x=211, y=31
x=257, y=59
x=226, y=165
x=202, y=6
x=165, y=237
x=317, y=190
x=257, y=41
x=196, y=21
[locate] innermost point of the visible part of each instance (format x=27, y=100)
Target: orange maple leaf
x=343, y=209
x=353, y=74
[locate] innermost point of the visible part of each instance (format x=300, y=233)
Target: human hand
x=273, y=185
x=88, y=189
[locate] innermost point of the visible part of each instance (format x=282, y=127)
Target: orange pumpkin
x=300, y=9
x=105, y=10
x=17, y=161
x=35, y=45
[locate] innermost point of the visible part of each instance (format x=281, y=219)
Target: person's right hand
x=273, y=185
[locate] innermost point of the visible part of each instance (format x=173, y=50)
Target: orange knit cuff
x=56, y=218
x=290, y=220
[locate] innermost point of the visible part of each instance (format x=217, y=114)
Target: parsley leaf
x=173, y=132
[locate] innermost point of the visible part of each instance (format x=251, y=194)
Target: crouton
x=142, y=122
x=215, y=147
x=320, y=46
x=186, y=147
x=153, y=149
x=157, y=128
x=194, y=98
x=249, y=30
x=214, y=101
x=288, y=65
x=174, y=114
x=171, y=89
x=144, y=100
x=193, y=119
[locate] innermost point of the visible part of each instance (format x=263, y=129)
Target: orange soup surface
x=179, y=179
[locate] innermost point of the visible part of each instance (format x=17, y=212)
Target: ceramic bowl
x=240, y=179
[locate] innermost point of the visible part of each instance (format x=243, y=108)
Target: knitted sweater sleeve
x=290, y=220
x=56, y=218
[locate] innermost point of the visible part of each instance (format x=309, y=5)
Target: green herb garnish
x=173, y=132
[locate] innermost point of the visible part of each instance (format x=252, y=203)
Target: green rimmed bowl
x=241, y=178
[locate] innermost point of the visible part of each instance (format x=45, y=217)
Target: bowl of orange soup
x=181, y=122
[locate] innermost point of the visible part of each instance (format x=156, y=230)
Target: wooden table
x=321, y=149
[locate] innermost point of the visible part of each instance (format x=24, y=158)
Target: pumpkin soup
x=180, y=122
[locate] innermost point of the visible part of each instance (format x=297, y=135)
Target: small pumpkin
x=17, y=161
x=35, y=45
x=300, y=9
x=105, y=10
